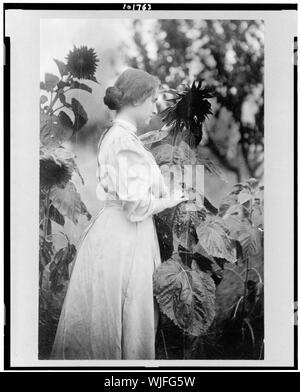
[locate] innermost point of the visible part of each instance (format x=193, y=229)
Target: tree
x=226, y=55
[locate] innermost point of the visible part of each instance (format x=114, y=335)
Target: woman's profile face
x=147, y=109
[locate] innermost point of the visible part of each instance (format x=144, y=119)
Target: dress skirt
x=109, y=310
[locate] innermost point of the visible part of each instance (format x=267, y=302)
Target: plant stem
x=261, y=350
x=245, y=285
x=60, y=107
x=188, y=228
x=164, y=343
x=187, y=278
x=237, y=306
x=257, y=273
x=47, y=212
x=235, y=272
x=246, y=321
x=52, y=103
x=174, y=137
x=45, y=230
x=247, y=267
x=56, y=97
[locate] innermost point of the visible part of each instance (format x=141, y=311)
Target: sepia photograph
x=151, y=189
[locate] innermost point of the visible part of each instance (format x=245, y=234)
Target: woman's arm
x=139, y=210
x=134, y=183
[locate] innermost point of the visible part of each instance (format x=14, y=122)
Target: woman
x=109, y=310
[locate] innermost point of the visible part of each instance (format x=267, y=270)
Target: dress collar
x=126, y=124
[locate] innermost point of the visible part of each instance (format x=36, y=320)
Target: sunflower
x=190, y=109
x=54, y=173
x=82, y=62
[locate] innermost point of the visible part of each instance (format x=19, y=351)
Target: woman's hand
x=174, y=202
x=176, y=197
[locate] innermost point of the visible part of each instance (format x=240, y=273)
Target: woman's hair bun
x=113, y=98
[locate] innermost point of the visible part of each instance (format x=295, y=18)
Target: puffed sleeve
x=136, y=179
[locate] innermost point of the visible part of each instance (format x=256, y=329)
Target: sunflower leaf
x=62, y=154
x=84, y=211
x=62, y=99
x=80, y=114
x=187, y=217
x=178, y=155
x=67, y=201
x=235, y=217
x=62, y=67
x=244, y=197
x=185, y=295
x=54, y=132
x=154, y=136
x=184, y=155
x=213, y=236
x=69, y=157
x=81, y=86
x=250, y=239
x=56, y=216
x=93, y=79
x=213, y=168
x=43, y=99
x=46, y=251
x=59, y=268
x=163, y=153
x=65, y=120
x=76, y=169
x=50, y=81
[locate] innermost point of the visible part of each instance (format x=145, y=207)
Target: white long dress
x=109, y=310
